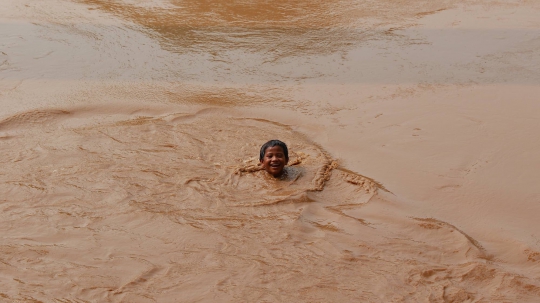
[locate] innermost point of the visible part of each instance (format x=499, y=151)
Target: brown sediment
x=170, y=182
x=431, y=223
x=130, y=132
x=366, y=182
x=324, y=173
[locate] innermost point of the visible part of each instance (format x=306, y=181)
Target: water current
x=130, y=142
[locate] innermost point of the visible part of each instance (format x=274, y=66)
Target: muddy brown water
x=131, y=129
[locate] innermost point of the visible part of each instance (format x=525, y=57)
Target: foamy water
x=131, y=129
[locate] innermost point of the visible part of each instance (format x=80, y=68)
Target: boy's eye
x=276, y=155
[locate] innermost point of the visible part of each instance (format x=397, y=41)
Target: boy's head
x=274, y=156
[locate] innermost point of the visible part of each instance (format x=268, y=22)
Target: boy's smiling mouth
x=275, y=168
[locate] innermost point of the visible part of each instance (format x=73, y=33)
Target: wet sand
x=130, y=131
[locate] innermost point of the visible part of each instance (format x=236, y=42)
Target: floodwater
x=130, y=132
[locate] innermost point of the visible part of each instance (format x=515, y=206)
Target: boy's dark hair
x=273, y=143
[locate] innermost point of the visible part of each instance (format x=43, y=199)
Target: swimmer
x=273, y=157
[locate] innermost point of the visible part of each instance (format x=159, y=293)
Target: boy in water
x=273, y=157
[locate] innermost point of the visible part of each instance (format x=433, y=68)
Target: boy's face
x=274, y=161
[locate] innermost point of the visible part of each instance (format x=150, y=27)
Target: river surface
x=130, y=132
